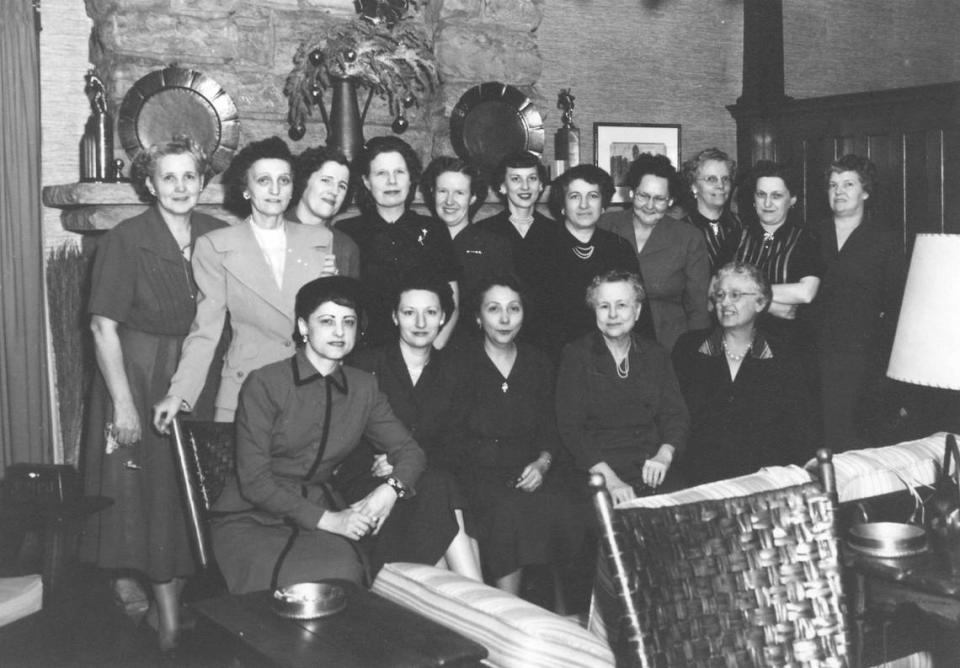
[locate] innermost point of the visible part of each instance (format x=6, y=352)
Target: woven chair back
x=747, y=581
x=213, y=446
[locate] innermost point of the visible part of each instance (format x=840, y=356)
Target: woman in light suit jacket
x=672, y=254
x=252, y=270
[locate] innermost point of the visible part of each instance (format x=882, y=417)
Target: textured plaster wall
x=859, y=45
x=633, y=61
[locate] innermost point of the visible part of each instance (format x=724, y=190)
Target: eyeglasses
x=734, y=295
x=658, y=201
x=715, y=180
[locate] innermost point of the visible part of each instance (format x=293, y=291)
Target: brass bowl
x=888, y=540
x=309, y=600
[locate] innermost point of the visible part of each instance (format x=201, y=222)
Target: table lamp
x=926, y=351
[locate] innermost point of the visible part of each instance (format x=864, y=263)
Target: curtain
x=25, y=429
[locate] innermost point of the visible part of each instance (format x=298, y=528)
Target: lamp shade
x=926, y=349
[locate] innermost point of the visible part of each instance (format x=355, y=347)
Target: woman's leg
x=167, y=598
x=462, y=555
x=511, y=582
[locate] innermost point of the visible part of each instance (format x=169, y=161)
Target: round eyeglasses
x=734, y=295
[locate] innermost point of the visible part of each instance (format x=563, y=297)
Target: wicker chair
x=206, y=456
x=746, y=581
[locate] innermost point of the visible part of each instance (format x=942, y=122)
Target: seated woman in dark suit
x=298, y=419
x=421, y=384
x=748, y=399
x=526, y=511
x=618, y=404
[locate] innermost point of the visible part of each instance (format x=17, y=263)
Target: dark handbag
x=943, y=507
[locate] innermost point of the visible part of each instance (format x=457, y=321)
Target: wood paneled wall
x=911, y=134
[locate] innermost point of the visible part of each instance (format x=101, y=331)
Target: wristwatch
x=398, y=487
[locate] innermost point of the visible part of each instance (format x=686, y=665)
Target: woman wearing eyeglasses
x=748, y=401
x=709, y=176
x=672, y=254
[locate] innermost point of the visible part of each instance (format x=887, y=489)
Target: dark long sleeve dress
x=141, y=281
x=763, y=417
x=388, y=252
x=508, y=422
x=621, y=421
x=281, y=432
x=426, y=522
x=533, y=262
x=855, y=316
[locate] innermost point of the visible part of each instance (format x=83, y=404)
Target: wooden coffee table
x=370, y=632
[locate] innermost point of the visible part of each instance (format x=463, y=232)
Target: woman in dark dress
x=709, y=176
x=786, y=253
x=394, y=240
x=618, y=407
x=578, y=197
x=748, y=400
x=527, y=513
x=422, y=385
x=518, y=182
x=858, y=303
x=142, y=302
x=281, y=519
x=453, y=190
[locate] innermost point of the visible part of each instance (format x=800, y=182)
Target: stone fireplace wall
x=248, y=46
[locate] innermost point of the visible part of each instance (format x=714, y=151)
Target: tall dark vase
x=345, y=131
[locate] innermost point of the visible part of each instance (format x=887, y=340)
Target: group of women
x=427, y=388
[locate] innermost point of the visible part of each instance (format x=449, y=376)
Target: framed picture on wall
x=616, y=145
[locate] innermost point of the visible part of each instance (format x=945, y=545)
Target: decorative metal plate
x=493, y=120
x=179, y=101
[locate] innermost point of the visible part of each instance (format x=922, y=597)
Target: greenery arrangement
x=67, y=292
x=381, y=50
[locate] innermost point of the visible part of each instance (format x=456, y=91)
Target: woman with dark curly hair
x=253, y=272
x=320, y=189
x=454, y=190
x=709, y=176
x=672, y=254
x=786, y=253
x=141, y=306
x=393, y=239
x=578, y=197
x=856, y=309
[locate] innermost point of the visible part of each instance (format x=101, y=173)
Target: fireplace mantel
x=97, y=207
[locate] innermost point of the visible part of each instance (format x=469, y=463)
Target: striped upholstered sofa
x=518, y=634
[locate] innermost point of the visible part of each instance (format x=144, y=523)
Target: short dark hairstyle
x=615, y=276
x=510, y=280
x=235, y=176
x=864, y=168
x=429, y=282
x=748, y=270
x=591, y=174
x=518, y=160
x=654, y=165
x=310, y=161
x=341, y=290
x=769, y=169
x=145, y=163
x=378, y=146
x=446, y=163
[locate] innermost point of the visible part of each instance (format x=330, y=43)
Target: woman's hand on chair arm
x=619, y=490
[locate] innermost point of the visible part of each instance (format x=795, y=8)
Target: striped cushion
x=875, y=471
x=517, y=634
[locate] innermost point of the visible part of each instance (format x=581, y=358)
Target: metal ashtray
x=309, y=600
x=888, y=540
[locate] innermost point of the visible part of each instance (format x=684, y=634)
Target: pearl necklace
x=733, y=357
